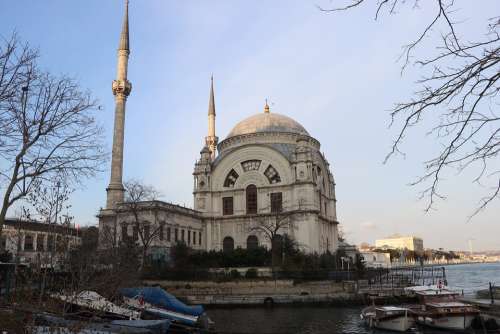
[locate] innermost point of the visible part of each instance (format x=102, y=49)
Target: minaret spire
x=211, y=102
x=211, y=140
x=121, y=89
x=124, y=40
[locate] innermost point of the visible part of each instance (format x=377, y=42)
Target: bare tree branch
x=47, y=127
x=460, y=88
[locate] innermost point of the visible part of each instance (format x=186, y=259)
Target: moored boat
x=154, y=303
x=432, y=293
x=94, y=302
x=450, y=315
x=399, y=319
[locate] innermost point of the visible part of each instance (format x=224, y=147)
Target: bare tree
x=461, y=87
x=272, y=225
x=140, y=198
x=48, y=200
x=47, y=127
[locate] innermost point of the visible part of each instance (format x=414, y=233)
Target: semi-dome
x=267, y=122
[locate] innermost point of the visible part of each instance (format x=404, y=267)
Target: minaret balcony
x=121, y=87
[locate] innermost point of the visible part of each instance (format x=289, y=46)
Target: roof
x=267, y=122
x=447, y=304
x=38, y=226
x=391, y=308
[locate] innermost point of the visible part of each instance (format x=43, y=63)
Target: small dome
x=267, y=122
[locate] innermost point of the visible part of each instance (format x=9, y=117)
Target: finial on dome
x=266, y=108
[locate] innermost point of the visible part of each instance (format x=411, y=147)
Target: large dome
x=267, y=122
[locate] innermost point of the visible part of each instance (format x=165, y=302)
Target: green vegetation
x=188, y=264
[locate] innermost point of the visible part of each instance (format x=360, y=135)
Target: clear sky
x=337, y=74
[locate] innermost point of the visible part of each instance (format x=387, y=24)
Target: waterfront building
x=412, y=243
x=376, y=259
x=267, y=170
x=34, y=242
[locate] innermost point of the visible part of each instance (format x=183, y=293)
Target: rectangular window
x=199, y=238
x=227, y=206
x=136, y=233
x=146, y=231
x=124, y=231
x=50, y=242
x=160, y=231
x=251, y=195
x=189, y=237
x=194, y=238
x=168, y=234
x=28, y=242
x=276, y=202
x=176, y=235
x=183, y=235
x=40, y=238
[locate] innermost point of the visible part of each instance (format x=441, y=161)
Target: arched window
x=250, y=165
x=252, y=242
x=228, y=244
x=231, y=179
x=251, y=193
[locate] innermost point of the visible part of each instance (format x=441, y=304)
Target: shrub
x=234, y=274
x=251, y=273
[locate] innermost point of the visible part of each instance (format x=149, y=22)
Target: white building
x=268, y=168
x=376, y=259
x=38, y=243
x=401, y=242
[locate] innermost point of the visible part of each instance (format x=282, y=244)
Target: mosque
x=268, y=174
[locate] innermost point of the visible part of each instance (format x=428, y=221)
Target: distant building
x=376, y=259
x=401, y=242
x=34, y=242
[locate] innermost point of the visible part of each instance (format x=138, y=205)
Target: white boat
x=94, y=301
x=399, y=319
x=450, y=315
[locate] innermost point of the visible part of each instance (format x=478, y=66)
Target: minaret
x=121, y=90
x=211, y=140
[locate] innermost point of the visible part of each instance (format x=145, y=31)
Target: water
x=335, y=320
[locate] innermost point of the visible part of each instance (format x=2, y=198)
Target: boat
x=154, y=303
x=45, y=323
x=394, y=318
x=432, y=293
x=450, y=315
x=93, y=301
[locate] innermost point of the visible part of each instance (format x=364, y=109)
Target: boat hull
x=397, y=323
x=400, y=324
x=453, y=322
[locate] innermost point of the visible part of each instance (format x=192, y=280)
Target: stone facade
x=284, y=163
x=282, y=173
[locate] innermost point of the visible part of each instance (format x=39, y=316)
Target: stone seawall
x=262, y=292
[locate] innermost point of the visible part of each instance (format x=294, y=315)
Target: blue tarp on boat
x=159, y=297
